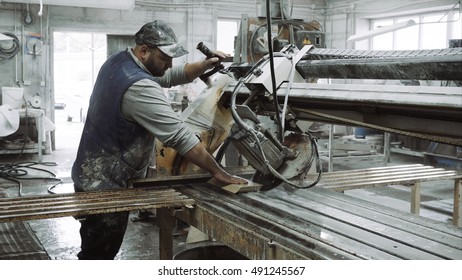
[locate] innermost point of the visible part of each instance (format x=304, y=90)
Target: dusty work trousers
x=102, y=235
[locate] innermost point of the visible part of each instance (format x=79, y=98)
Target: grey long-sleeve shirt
x=146, y=104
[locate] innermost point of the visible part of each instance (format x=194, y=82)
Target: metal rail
x=86, y=203
x=407, y=175
x=382, y=176
x=322, y=54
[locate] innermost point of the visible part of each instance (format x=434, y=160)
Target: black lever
x=205, y=50
x=209, y=54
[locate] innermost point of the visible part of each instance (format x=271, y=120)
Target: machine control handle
x=209, y=54
x=205, y=50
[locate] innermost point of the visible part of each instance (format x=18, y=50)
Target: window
x=407, y=38
x=384, y=41
x=432, y=31
x=77, y=59
x=227, y=30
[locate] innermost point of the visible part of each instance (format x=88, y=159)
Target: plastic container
x=13, y=96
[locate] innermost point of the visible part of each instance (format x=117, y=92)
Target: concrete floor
x=60, y=237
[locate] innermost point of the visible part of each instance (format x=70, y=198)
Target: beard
x=156, y=71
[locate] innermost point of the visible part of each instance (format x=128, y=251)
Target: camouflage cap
x=160, y=34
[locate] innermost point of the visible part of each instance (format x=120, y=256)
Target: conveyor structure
x=399, y=109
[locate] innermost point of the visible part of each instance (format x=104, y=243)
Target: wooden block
x=236, y=188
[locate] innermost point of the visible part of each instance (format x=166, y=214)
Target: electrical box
x=306, y=37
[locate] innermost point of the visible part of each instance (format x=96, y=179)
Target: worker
x=184, y=103
x=128, y=110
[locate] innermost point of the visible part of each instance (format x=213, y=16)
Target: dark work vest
x=112, y=150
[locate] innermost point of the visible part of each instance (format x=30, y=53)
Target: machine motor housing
x=246, y=144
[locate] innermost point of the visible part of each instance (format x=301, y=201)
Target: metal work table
x=308, y=224
x=314, y=223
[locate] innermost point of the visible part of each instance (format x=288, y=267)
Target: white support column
x=415, y=198
x=330, y=167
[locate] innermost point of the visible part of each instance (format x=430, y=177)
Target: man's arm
x=202, y=158
x=195, y=69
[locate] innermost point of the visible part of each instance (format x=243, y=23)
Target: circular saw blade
x=299, y=165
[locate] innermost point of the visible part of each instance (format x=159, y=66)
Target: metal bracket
x=283, y=67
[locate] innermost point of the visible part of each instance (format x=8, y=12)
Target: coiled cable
x=8, y=53
x=15, y=172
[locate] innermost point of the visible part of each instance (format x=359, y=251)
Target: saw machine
x=242, y=108
x=276, y=152
x=258, y=108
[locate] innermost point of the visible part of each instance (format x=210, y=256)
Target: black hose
x=15, y=172
x=273, y=75
x=314, y=155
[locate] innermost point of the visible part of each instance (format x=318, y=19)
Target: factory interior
x=345, y=117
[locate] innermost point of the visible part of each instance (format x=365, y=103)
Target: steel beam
x=406, y=110
x=436, y=64
x=399, y=68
